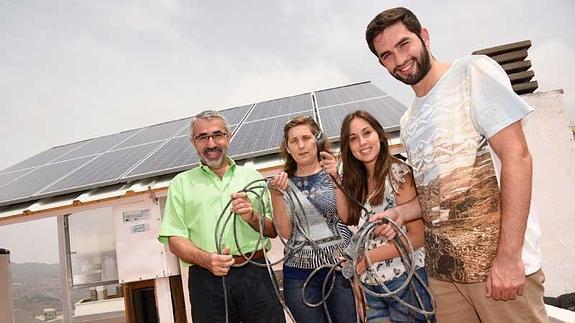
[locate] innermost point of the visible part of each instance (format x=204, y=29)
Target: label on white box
x=137, y=215
x=139, y=228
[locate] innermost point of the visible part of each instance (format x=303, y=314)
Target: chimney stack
x=513, y=59
x=6, y=303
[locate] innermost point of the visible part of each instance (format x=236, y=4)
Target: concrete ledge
x=557, y=315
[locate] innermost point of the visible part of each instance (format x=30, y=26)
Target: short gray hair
x=208, y=114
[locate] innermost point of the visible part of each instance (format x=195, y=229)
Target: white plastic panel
x=140, y=255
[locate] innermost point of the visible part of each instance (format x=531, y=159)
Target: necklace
x=316, y=170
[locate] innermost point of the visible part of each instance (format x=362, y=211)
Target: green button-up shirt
x=195, y=201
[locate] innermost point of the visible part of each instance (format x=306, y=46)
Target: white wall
x=553, y=149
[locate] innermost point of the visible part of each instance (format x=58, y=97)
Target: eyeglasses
x=218, y=136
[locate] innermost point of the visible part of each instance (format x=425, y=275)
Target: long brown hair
x=290, y=166
x=355, y=172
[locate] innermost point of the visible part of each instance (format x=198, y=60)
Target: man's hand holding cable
x=186, y=250
x=242, y=205
x=218, y=264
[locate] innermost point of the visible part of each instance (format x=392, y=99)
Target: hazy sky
x=74, y=70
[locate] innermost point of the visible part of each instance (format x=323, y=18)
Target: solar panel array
x=347, y=94
x=178, y=154
x=26, y=186
x=334, y=104
x=262, y=131
x=98, y=145
x=155, y=133
x=386, y=110
x=165, y=148
x=284, y=106
x=102, y=170
x=260, y=137
x=45, y=156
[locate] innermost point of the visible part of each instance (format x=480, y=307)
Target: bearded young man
x=195, y=200
x=481, y=239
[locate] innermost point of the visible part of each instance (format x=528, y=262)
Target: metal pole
x=7, y=304
x=65, y=267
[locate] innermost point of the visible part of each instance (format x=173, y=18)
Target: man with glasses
x=195, y=201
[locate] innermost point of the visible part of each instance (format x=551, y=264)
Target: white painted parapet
x=552, y=147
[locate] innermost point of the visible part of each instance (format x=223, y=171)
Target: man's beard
x=422, y=65
x=213, y=163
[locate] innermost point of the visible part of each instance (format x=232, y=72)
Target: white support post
x=164, y=300
x=65, y=267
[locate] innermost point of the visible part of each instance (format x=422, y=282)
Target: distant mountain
x=36, y=286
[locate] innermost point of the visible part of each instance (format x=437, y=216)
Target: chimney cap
x=511, y=47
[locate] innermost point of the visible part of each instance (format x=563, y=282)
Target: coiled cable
x=347, y=266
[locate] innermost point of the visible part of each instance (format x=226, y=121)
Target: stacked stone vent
x=513, y=58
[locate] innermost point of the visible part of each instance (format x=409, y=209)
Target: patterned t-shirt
x=445, y=136
x=321, y=223
x=389, y=268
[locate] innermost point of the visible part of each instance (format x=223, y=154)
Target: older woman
x=320, y=237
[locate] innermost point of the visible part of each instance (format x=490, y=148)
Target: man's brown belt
x=238, y=260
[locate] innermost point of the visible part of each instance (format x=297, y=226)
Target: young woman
x=380, y=181
x=320, y=237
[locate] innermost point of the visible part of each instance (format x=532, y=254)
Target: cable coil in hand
x=347, y=266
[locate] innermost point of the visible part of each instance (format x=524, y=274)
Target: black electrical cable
x=347, y=266
x=363, y=237
x=220, y=230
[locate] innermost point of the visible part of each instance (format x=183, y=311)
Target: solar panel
x=346, y=94
x=176, y=155
x=279, y=107
x=183, y=132
x=260, y=137
x=98, y=145
x=105, y=169
x=235, y=115
x=165, y=148
x=156, y=132
x=10, y=176
x=45, y=156
x=386, y=110
x=24, y=187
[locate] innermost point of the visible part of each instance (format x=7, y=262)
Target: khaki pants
x=466, y=303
